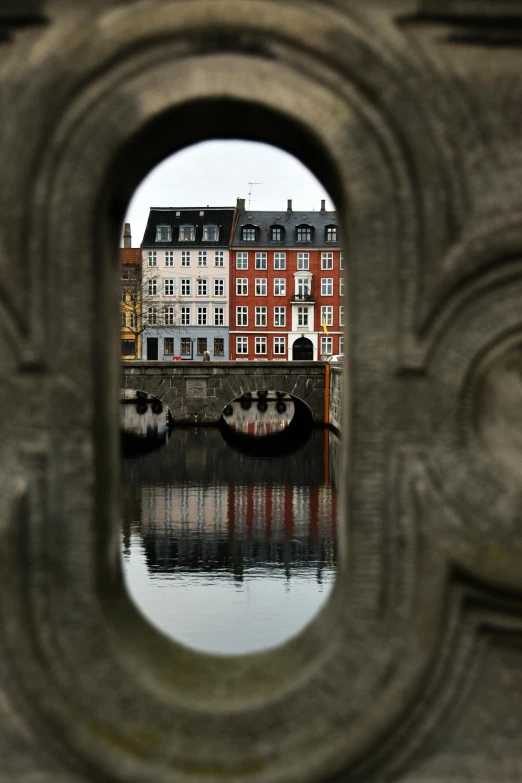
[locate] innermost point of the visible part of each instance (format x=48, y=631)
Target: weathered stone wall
x=413, y=672
x=336, y=397
x=197, y=392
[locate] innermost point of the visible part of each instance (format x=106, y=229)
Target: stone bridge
x=198, y=391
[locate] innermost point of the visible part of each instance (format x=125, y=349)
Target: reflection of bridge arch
x=198, y=391
x=144, y=422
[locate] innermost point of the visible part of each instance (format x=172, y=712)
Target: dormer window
x=304, y=233
x=163, y=233
x=210, y=233
x=248, y=233
x=331, y=233
x=276, y=233
x=187, y=233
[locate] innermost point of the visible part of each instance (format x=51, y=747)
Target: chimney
x=240, y=205
x=323, y=205
x=127, y=237
x=289, y=207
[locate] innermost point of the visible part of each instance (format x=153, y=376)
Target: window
x=241, y=345
x=202, y=345
x=185, y=315
x=341, y=286
x=125, y=273
x=326, y=345
x=279, y=286
x=248, y=234
x=133, y=296
x=185, y=346
x=327, y=315
x=169, y=286
x=219, y=286
x=279, y=346
x=185, y=258
x=123, y=296
x=128, y=347
x=276, y=233
x=327, y=286
x=170, y=316
x=123, y=320
x=341, y=316
x=185, y=286
x=132, y=320
x=152, y=316
x=303, y=260
x=341, y=344
x=279, y=316
x=303, y=286
x=163, y=234
x=261, y=346
x=153, y=287
x=341, y=261
x=202, y=317
x=169, y=258
x=326, y=260
x=219, y=316
x=279, y=260
x=202, y=287
x=168, y=345
x=260, y=286
x=260, y=316
x=219, y=346
x=242, y=261
x=153, y=258
x=202, y=258
x=210, y=233
x=331, y=233
x=187, y=233
x=302, y=316
x=242, y=286
x=241, y=316
x=260, y=260
x=219, y=258
x=304, y=233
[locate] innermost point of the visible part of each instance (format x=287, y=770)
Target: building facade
x=130, y=297
x=286, y=285
x=185, y=282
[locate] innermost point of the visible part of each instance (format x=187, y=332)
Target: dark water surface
x=226, y=552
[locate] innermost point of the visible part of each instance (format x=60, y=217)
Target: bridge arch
x=197, y=392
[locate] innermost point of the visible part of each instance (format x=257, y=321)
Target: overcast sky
x=216, y=173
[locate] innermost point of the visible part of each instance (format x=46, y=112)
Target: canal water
x=224, y=551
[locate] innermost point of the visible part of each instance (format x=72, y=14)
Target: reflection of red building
x=286, y=279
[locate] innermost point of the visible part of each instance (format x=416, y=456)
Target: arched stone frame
x=355, y=682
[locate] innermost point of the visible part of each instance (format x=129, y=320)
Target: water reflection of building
x=257, y=521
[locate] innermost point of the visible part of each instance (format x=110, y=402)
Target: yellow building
x=130, y=304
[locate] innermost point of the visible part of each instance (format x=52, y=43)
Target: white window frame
x=261, y=286
x=242, y=315
x=327, y=312
x=303, y=262
x=205, y=232
x=219, y=316
x=169, y=258
x=241, y=286
x=185, y=258
x=219, y=286
x=202, y=257
x=341, y=286
x=327, y=286
x=260, y=343
x=279, y=286
x=327, y=262
x=331, y=230
x=219, y=258
x=152, y=316
x=341, y=344
x=341, y=261
x=326, y=345
x=132, y=320
x=202, y=315
x=251, y=230
x=183, y=230
x=242, y=260
x=303, y=286
x=303, y=317
x=279, y=261
x=153, y=258
x=169, y=286
x=278, y=343
x=242, y=346
x=169, y=315
x=261, y=261
x=186, y=315
x=279, y=315
x=185, y=286
x=341, y=315
x=202, y=286
x=261, y=316
x=153, y=286
x=159, y=237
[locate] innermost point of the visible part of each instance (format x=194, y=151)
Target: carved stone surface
x=412, y=672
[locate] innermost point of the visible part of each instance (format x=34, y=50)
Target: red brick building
x=286, y=280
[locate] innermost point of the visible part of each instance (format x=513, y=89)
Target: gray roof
x=289, y=221
x=180, y=216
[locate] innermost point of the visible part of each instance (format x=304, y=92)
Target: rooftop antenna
x=250, y=191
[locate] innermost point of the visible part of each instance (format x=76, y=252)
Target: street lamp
x=192, y=341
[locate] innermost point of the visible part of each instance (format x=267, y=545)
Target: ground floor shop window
x=219, y=346
x=128, y=347
x=185, y=346
x=168, y=345
x=202, y=345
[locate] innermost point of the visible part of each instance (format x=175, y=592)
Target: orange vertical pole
x=327, y=394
